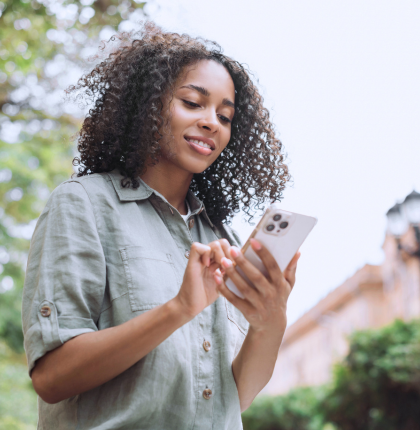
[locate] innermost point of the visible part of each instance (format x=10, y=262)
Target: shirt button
x=206, y=345
x=187, y=254
x=207, y=393
x=45, y=311
x=191, y=224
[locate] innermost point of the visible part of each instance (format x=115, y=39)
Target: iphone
x=282, y=233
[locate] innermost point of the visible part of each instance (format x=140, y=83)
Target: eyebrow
x=206, y=93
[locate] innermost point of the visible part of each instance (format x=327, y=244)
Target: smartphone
x=282, y=233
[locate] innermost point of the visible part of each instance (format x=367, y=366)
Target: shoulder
x=95, y=183
x=81, y=190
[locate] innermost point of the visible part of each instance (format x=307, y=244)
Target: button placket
x=175, y=224
x=207, y=393
x=206, y=345
x=206, y=390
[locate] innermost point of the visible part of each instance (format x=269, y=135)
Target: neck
x=170, y=181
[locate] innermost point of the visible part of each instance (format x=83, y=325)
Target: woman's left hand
x=265, y=305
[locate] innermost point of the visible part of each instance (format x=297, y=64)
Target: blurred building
x=374, y=296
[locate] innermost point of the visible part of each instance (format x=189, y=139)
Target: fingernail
x=256, y=246
x=234, y=251
x=226, y=262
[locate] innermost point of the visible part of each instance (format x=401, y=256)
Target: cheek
x=179, y=119
x=225, y=137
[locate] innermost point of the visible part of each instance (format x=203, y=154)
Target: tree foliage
x=377, y=386
x=43, y=48
x=18, y=408
x=296, y=410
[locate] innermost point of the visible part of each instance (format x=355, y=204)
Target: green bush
x=377, y=386
x=18, y=400
x=299, y=409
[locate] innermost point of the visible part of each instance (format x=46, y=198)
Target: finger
x=291, y=278
x=252, y=273
x=200, y=253
x=248, y=292
x=243, y=305
x=293, y=261
x=218, y=277
x=217, y=252
x=290, y=272
x=268, y=260
x=225, y=246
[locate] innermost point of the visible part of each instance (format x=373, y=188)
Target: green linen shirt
x=102, y=254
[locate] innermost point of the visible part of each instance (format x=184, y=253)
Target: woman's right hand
x=199, y=288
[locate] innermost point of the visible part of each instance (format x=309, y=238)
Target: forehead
x=210, y=75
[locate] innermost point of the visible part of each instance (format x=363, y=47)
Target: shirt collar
x=143, y=192
x=129, y=194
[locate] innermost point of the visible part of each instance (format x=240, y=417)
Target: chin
x=194, y=165
x=197, y=168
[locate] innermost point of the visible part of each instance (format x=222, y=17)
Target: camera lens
x=277, y=217
x=270, y=227
x=284, y=224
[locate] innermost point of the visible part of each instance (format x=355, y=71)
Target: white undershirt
x=188, y=212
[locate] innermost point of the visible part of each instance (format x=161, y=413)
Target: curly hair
x=123, y=128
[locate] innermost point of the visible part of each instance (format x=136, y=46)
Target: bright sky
x=342, y=80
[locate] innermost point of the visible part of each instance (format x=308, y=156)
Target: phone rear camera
x=270, y=227
x=284, y=224
x=277, y=217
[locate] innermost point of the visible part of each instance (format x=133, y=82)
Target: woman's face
x=200, y=112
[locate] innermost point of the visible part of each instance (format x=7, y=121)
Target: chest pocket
x=151, y=277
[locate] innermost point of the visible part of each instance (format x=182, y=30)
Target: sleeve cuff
x=50, y=332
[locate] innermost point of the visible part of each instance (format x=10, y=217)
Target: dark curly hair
x=123, y=128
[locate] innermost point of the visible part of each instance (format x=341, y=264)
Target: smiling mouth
x=198, y=142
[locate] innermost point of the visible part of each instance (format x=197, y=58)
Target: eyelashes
x=195, y=105
x=223, y=118
x=191, y=103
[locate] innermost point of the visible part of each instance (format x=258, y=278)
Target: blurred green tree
x=43, y=48
x=296, y=410
x=18, y=408
x=377, y=386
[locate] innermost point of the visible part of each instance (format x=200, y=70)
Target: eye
x=192, y=104
x=224, y=119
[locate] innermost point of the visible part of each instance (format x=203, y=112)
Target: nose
x=209, y=121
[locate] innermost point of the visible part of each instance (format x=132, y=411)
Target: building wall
x=373, y=297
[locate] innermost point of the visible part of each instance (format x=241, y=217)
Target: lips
x=200, y=144
x=200, y=139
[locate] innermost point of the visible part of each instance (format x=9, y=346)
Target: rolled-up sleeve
x=66, y=273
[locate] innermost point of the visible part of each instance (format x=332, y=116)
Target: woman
x=123, y=320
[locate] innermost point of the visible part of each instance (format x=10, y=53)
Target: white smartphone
x=282, y=233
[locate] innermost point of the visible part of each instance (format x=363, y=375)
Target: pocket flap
x=133, y=252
